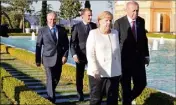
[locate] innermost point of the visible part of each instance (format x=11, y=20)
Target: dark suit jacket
x=78, y=40
x=130, y=48
x=52, y=51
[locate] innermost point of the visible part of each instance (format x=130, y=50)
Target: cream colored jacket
x=103, y=53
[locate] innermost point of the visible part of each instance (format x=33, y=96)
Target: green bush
x=34, y=100
x=18, y=92
x=27, y=25
x=4, y=73
x=21, y=54
x=3, y=48
x=153, y=97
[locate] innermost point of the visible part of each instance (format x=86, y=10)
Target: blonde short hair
x=104, y=14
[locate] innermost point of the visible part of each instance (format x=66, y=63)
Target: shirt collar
x=130, y=20
x=85, y=22
x=52, y=27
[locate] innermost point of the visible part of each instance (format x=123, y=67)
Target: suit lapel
x=58, y=33
x=91, y=26
x=48, y=32
x=83, y=27
x=126, y=28
x=137, y=28
x=127, y=24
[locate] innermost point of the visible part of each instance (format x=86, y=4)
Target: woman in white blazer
x=104, y=61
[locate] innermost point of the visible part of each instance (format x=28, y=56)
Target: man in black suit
x=134, y=52
x=53, y=38
x=78, y=40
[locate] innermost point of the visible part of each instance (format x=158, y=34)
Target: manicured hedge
x=21, y=54
x=18, y=92
x=153, y=97
x=34, y=100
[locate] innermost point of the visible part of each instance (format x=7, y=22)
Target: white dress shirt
x=103, y=53
x=55, y=30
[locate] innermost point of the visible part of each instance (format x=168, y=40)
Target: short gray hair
x=131, y=2
x=52, y=13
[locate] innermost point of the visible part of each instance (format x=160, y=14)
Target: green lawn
x=159, y=35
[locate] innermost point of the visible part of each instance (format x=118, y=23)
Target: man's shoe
x=51, y=99
x=80, y=97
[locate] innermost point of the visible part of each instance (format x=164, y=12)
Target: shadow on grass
x=160, y=99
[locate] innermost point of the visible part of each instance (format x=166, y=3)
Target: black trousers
x=108, y=86
x=137, y=75
x=80, y=68
x=53, y=76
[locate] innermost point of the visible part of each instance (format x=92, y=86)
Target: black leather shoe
x=80, y=97
x=51, y=99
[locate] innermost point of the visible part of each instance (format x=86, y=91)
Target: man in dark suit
x=134, y=52
x=78, y=40
x=53, y=38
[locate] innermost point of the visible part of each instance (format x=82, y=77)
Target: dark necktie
x=53, y=33
x=87, y=28
x=133, y=30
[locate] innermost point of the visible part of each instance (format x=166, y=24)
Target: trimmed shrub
x=10, y=86
x=35, y=99
x=18, y=92
x=3, y=48
x=152, y=97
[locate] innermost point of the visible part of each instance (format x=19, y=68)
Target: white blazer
x=103, y=53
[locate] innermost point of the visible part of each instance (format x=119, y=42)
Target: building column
x=158, y=21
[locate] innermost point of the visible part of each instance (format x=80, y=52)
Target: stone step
x=65, y=95
x=33, y=83
x=37, y=87
x=41, y=91
x=70, y=100
x=18, y=76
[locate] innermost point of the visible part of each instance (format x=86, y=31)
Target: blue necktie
x=53, y=33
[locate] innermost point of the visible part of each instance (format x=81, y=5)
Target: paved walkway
x=35, y=80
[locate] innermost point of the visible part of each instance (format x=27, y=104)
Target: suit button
x=136, y=50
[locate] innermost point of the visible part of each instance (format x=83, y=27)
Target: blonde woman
x=104, y=61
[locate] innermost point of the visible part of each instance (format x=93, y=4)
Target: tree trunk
x=0, y=13
x=44, y=14
x=70, y=26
